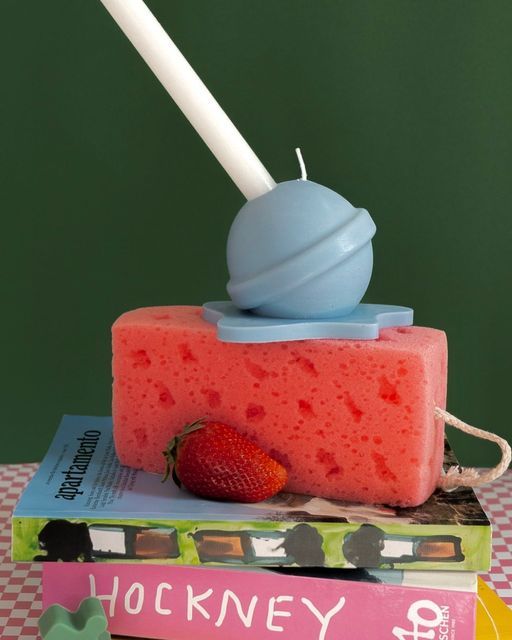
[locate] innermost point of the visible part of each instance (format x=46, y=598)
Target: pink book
x=191, y=603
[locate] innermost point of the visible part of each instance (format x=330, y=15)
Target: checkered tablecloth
x=20, y=584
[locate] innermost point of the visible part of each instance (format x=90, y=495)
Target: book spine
x=250, y=543
x=163, y=602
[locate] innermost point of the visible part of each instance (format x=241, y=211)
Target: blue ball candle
x=300, y=251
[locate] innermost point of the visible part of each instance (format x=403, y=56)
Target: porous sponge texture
x=349, y=419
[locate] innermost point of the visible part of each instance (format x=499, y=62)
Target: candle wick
x=303, y=174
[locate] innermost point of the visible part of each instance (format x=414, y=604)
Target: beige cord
x=470, y=477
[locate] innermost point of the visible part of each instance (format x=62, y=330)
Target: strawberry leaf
x=171, y=453
x=177, y=481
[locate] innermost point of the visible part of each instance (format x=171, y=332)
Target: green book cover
x=83, y=505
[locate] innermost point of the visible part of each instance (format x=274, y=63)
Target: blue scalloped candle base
x=364, y=323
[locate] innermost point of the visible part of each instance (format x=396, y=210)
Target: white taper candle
x=191, y=95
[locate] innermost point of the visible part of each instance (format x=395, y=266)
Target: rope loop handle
x=469, y=477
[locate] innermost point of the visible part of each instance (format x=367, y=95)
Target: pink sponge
x=350, y=419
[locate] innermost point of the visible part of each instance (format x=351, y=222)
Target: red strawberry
x=214, y=461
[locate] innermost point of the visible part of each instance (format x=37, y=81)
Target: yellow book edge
x=493, y=617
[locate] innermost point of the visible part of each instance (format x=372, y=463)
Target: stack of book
x=167, y=564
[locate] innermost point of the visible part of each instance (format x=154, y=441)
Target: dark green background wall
x=109, y=200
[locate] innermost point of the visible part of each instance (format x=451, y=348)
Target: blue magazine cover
x=83, y=505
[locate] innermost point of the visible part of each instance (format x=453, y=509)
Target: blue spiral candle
x=300, y=251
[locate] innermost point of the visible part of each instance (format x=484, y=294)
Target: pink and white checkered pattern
x=20, y=584
x=496, y=499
